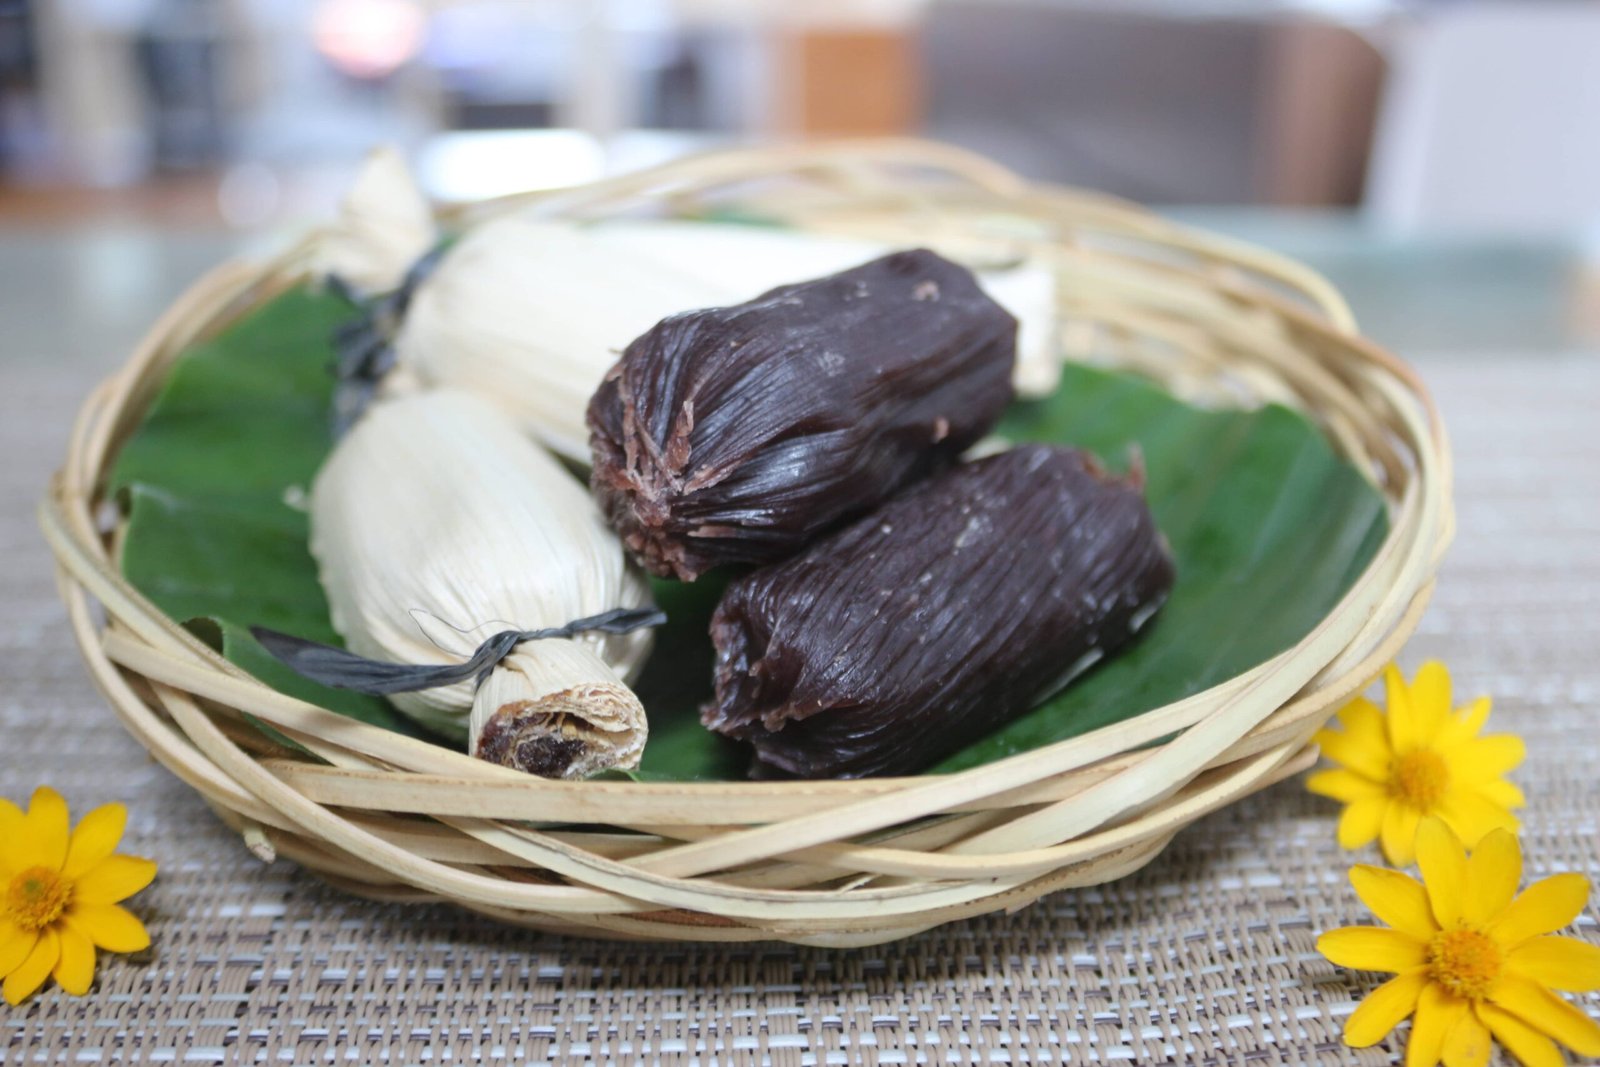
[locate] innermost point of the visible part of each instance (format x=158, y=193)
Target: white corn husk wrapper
x=436, y=524
x=385, y=224
x=532, y=313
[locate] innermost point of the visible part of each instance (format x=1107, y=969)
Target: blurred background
x=1414, y=149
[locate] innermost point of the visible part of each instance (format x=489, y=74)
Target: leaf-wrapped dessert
x=530, y=312
x=944, y=614
x=435, y=526
x=739, y=434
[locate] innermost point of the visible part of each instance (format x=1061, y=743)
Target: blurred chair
x=1491, y=121
x=1166, y=105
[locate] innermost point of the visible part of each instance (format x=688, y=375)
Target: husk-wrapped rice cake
x=941, y=616
x=738, y=435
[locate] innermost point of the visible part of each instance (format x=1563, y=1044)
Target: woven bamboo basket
x=834, y=863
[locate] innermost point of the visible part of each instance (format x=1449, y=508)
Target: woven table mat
x=1206, y=956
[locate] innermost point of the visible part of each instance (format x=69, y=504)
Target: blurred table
x=1206, y=956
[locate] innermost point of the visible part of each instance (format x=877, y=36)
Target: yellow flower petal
x=1499, y=791
x=1558, y=962
x=1399, y=834
x=1494, y=870
x=112, y=879
x=1430, y=696
x=1542, y=908
x=95, y=838
x=110, y=927
x=32, y=972
x=1483, y=758
x=1437, y=1014
x=1363, y=744
x=15, y=945
x=42, y=837
x=1548, y=1013
x=1472, y=816
x=1444, y=866
x=74, y=971
x=1360, y=822
x=1372, y=948
x=1397, y=899
x=1463, y=725
x=1521, y=1040
x=1404, y=731
x=1363, y=720
x=1467, y=1043
x=1363, y=759
x=10, y=823
x=1345, y=785
x=1383, y=1008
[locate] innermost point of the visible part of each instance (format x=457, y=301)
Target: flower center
x=1419, y=778
x=1464, y=961
x=37, y=897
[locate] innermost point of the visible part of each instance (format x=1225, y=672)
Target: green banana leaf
x=1268, y=526
x=213, y=483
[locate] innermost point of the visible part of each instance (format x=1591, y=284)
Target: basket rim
x=70, y=549
x=114, y=398
x=1065, y=790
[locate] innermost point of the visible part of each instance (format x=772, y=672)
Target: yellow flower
x=1470, y=960
x=1420, y=758
x=59, y=893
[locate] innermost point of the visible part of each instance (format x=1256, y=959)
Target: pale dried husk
x=531, y=312
x=436, y=524
x=383, y=227
x=831, y=863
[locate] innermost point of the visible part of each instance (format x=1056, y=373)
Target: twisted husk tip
x=561, y=735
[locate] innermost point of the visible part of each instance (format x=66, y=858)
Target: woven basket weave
x=828, y=863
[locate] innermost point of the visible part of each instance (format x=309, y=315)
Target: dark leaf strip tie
x=365, y=344
x=343, y=669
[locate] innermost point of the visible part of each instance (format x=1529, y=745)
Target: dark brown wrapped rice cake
x=943, y=615
x=739, y=434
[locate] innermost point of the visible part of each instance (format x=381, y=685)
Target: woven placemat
x=1206, y=956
